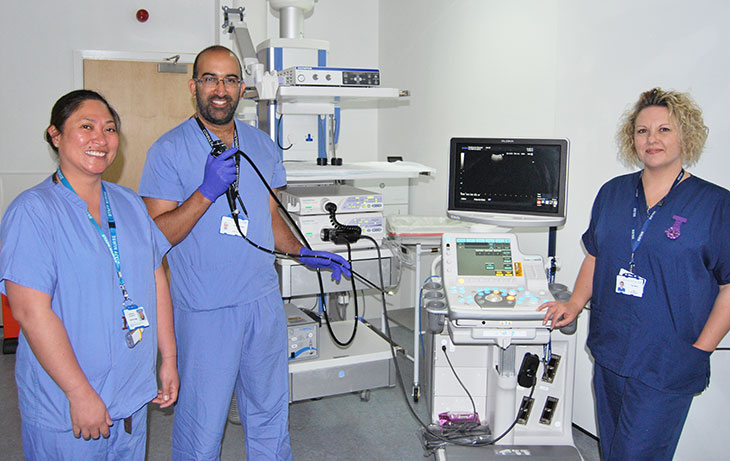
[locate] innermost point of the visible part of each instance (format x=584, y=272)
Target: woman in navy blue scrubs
x=81, y=266
x=656, y=272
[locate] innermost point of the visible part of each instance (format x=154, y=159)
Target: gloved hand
x=220, y=172
x=336, y=263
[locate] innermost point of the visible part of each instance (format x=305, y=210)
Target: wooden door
x=149, y=104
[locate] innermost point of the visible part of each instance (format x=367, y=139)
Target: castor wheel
x=416, y=393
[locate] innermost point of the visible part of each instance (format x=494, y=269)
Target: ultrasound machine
x=493, y=363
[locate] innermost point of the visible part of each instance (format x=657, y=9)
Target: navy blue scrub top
x=650, y=338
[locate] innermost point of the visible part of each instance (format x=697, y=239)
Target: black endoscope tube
x=234, y=215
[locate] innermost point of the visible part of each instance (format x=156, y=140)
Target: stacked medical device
x=333, y=217
x=517, y=372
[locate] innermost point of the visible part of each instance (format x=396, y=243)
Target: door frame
x=107, y=55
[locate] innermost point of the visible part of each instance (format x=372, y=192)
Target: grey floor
x=343, y=427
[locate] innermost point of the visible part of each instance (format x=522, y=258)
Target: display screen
x=484, y=257
x=517, y=176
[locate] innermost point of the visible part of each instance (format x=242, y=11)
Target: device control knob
x=323, y=203
x=493, y=297
x=300, y=78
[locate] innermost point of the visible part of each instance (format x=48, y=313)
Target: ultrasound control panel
x=492, y=289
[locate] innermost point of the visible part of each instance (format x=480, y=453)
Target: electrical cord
x=468, y=394
x=420, y=300
x=399, y=375
x=278, y=134
x=532, y=390
x=364, y=303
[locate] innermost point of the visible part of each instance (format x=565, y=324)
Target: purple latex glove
x=336, y=263
x=220, y=172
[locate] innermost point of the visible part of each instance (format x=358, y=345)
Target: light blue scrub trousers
x=41, y=444
x=243, y=346
x=635, y=421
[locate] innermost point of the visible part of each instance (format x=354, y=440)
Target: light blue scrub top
x=49, y=244
x=210, y=270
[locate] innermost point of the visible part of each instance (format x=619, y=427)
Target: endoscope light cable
x=326, y=315
x=294, y=256
x=294, y=225
x=234, y=215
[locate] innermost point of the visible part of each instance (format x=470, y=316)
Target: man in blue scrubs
x=229, y=318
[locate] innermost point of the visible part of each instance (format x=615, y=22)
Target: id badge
x=228, y=226
x=133, y=337
x=628, y=283
x=135, y=317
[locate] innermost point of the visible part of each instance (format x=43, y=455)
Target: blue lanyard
x=636, y=240
x=114, y=245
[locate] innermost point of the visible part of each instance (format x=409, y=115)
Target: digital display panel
x=519, y=177
x=484, y=257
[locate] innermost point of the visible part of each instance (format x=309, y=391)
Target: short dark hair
x=215, y=48
x=67, y=105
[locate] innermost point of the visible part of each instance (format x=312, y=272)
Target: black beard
x=214, y=115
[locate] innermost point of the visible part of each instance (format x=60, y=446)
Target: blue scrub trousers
x=242, y=347
x=41, y=444
x=635, y=421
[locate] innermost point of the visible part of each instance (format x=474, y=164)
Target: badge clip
x=674, y=232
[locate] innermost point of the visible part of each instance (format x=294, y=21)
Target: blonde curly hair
x=686, y=114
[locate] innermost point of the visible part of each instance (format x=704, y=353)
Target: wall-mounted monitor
x=508, y=182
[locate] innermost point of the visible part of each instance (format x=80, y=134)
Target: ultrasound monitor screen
x=519, y=176
x=484, y=257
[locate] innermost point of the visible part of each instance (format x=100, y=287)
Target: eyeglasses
x=229, y=83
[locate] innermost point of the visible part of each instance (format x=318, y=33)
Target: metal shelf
x=334, y=94
x=310, y=171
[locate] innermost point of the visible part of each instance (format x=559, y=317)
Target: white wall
x=535, y=68
x=37, y=56
x=562, y=68
x=39, y=42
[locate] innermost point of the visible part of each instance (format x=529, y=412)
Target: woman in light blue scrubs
x=657, y=273
x=80, y=262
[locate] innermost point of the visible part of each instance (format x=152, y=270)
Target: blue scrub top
x=49, y=245
x=210, y=270
x=650, y=338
